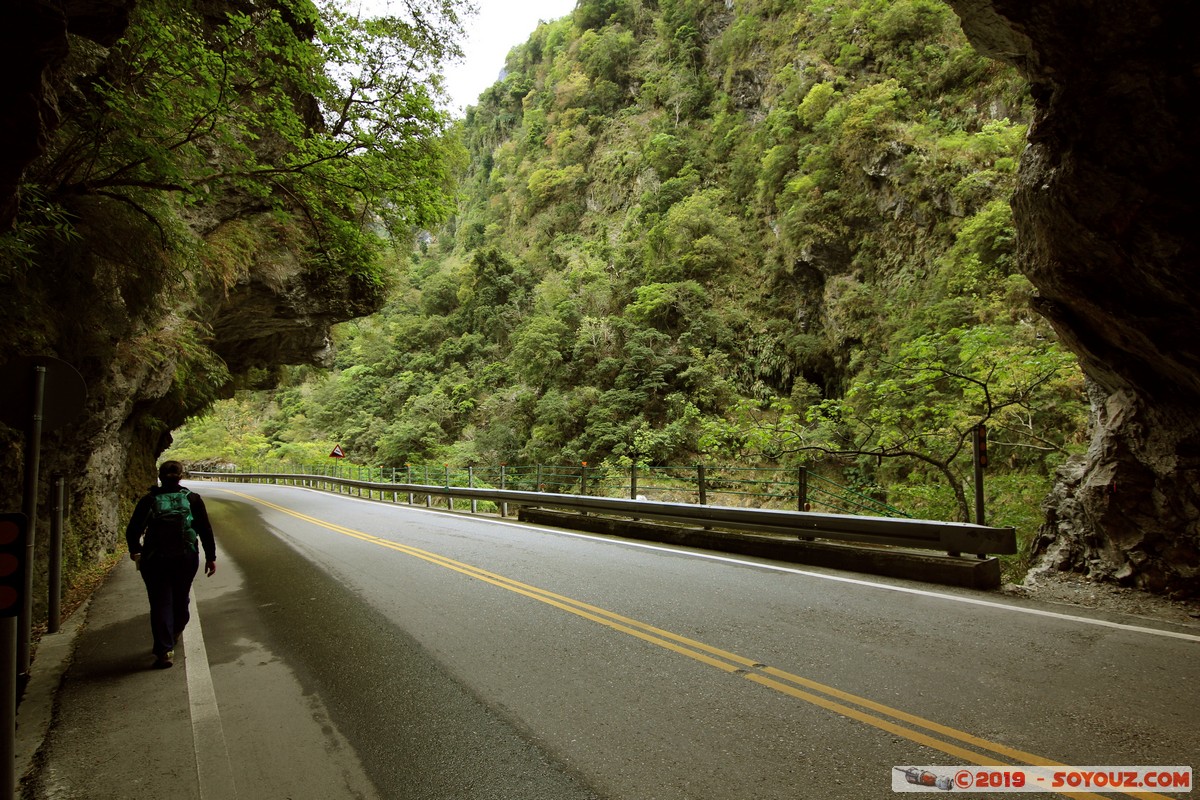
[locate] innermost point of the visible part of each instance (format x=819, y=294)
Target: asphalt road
x=448, y=656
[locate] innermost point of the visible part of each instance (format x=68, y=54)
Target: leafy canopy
x=323, y=115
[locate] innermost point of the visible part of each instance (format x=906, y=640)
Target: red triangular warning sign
x=337, y=452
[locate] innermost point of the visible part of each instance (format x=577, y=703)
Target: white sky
x=499, y=26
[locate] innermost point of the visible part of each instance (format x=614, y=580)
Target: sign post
x=338, y=453
x=42, y=393
x=29, y=505
x=13, y=530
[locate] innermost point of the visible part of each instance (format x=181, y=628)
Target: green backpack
x=169, y=531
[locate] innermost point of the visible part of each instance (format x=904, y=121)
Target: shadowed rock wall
x=149, y=338
x=1107, y=214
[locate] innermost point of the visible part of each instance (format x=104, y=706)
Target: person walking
x=163, y=534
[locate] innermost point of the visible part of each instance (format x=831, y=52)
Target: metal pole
x=980, y=450
x=980, y=461
x=33, y=463
x=503, y=476
x=700, y=483
x=633, y=481
x=802, y=489
x=471, y=484
x=8, y=706
x=979, y=514
x=56, y=546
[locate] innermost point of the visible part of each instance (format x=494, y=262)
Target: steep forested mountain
x=748, y=231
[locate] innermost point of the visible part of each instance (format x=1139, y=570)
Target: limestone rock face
x=113, y=307
x=276, y=310
x=1106, y=213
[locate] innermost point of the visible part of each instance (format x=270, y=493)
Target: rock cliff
x=1106, y=213
x=153, y=339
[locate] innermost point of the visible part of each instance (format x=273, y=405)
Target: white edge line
x=1187, y=637
x=213, y=767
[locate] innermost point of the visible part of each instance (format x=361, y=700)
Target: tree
x=538, y=347
x=695, y=239
x=326, y=117
x=924, y=404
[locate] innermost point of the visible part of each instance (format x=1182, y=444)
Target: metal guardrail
x=796, y=488
x=951, y=537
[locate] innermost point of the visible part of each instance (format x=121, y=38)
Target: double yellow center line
x=942, y=738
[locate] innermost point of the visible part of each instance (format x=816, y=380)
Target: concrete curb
x=36, y=711
x=968, y=572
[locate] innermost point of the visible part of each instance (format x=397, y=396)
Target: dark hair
x=171, y=472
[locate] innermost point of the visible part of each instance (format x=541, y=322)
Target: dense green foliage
x=755, y=232
x=321, y=129
x=321, y=115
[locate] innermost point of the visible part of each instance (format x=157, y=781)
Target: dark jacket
x=141, y=517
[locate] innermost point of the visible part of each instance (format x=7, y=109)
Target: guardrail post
x=503, y=476
x=802, y=495
x=700, y=484
x=471, y=485
x=583, y=477
x=981, y=461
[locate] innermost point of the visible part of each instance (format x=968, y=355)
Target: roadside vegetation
x=756, y=233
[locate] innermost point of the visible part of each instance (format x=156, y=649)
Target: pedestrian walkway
x=97, y=722
x=120, y=728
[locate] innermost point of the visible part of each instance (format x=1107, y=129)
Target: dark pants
x=168, y=584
